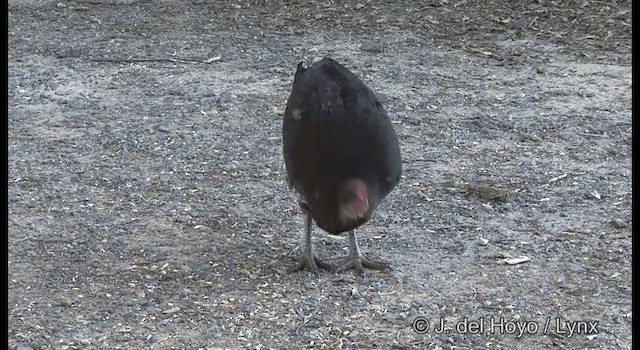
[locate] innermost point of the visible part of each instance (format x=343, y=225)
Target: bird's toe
x=359, y=264
x=310, y=263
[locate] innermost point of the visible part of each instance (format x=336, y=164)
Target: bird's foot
x=359, y=263
x=311, y=263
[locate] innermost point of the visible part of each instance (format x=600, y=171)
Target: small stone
x=521, y=23
x=439, y=3
x=372, y=47
x=617, y=223
x=22, y=347
x=382, y=97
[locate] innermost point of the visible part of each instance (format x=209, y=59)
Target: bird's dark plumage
x=341, y=152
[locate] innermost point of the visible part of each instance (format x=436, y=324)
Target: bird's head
x=355, y=201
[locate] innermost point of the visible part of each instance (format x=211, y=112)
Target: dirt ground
x=147, y=201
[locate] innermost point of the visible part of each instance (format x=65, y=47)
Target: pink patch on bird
x=361, y=202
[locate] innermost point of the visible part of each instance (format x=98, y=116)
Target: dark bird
x=341, y=153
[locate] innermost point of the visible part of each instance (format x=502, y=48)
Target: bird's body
x=341, y=152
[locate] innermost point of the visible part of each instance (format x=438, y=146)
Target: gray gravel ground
x=148, y=207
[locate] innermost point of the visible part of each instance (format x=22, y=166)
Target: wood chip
x=560, y=177
x=172, y=310
x=514, y=261
x=213, y=59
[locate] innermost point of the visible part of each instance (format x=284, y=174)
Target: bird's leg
x=308, y=259
x=356, y=261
